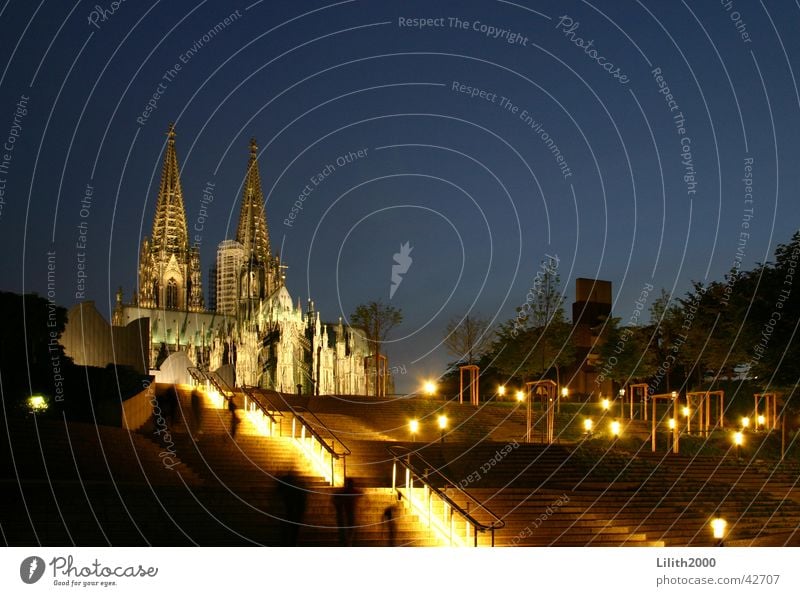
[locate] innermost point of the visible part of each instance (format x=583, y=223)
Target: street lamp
x=760, y=420
x=520, y=396
x=501, y=390
x=413, y=426
x=615, y=429
x=745, y=422
x=442, y=425
x=564, y=392
x=429, y=388
x=606, y=404
x=587, y=426
x=37, y=403
x=718, y=526
x=738, y=439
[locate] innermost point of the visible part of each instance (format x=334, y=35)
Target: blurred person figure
x=294, y=493
x=345, y=502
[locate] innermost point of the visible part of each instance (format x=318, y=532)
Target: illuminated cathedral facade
x=254, y=331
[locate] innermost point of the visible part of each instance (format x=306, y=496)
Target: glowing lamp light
x=501, y=390
x=442, y=422
x=587, y=425
x=564, y=392
x=745, y=422
x=520, y=396
x=413, y=426
x=761, y=420
x=615, y=428
x=674, y=394
x=429, y=387
x=606, y=403
x=718, y=526
x=738, y=438
x=622, y=392
x=686, y=410
x=37, y=403
x=671, y=423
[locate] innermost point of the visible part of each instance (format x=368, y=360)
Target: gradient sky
x=473, y=188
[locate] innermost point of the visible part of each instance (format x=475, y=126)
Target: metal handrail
x=224, y=389
x=196, y=373
x=329, y=448
x=327, y=444
x=402, y=455
x=270, y=412
x=220, y=384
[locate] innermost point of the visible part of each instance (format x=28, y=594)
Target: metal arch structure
x=674, y=397
x=770, y=401
x=474, y=373
x=547, y=390
x=637, y=390
x=704, y=400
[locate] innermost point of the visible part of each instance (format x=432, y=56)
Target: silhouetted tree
x=623, y=353
x=537, y=340
x=468, y=338
x=376, y=319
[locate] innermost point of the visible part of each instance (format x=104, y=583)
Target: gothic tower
x=260, y=270
x=169, y=269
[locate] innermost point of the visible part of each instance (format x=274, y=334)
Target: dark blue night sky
x=488, y=139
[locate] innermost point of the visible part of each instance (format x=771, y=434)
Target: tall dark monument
x=592, y=305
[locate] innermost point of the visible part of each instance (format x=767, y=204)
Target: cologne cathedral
x=253, y=330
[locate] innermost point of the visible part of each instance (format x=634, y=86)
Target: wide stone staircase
x=193, y=484
x=198, y=478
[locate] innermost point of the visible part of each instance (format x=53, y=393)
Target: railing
x=322, y=450
x=205, y=382
x=260, y=405
x=220, y=385
x=445, y=525
x=198, y=375
x=319, y=442
x=270, y=417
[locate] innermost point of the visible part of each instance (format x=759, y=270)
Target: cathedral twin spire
x=169, y=224
x=169, y=268
x=252, y=232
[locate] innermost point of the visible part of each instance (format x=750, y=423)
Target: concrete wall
x=174, y=370
x=90, y=340
x=136, y=411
